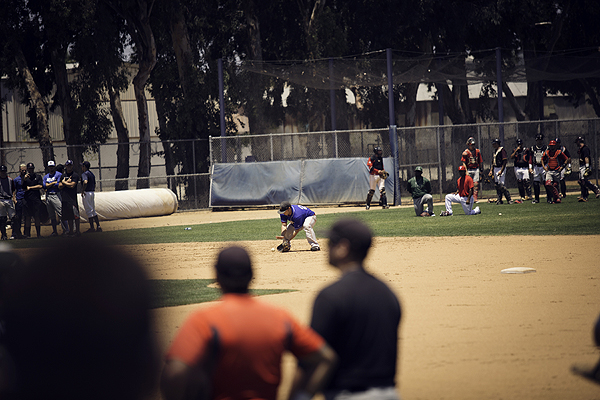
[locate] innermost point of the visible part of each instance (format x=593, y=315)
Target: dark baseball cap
x=357, y=233
x=284, y=206
x=69, y=162
x=3, y=168
x=30, y=165
x=419, y=169
x=86, y=164
x=233, y=263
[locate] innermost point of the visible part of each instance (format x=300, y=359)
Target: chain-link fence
x=437, y=149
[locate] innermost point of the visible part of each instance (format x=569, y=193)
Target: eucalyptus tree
x=25, y=62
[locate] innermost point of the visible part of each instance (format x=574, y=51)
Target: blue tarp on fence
x=311, y=182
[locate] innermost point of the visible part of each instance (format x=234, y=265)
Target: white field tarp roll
x=123, y=204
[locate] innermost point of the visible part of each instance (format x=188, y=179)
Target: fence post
x=100, y=168
x=500, y=101
x=222, y=112
x=395, y=155
x=439, y=145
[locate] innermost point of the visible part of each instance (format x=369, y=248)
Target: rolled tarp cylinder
x=124, y=204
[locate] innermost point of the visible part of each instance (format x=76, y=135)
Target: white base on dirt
x=517, y=270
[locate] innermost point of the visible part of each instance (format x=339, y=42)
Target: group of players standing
x=21, y=199
x=539, y=164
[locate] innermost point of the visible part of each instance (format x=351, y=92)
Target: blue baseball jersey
x=19, y=187
x=49, y=178
x=299, y=214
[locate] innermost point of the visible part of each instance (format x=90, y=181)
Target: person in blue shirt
x=295, y=218
x=19, y=201
x=53, y=198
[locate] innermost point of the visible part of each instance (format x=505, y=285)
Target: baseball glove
x=284, y=247
x=487, y=179
x=383, y=174
x=587, y=172
x=568, y=171
x=425, y=214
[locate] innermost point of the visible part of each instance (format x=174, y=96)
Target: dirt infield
x=467, y=332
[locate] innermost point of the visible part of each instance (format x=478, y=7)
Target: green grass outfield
x=568, y=218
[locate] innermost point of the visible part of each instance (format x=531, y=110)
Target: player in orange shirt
x=233, y=349
x=463, y=195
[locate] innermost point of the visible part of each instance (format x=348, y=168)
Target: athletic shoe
x=385, y=207
x=499, y=202
x=510, y=202
x=54, y=234
x=598, y=195
x=4, y=237
x=315, y=248
x=90, y=230
x=477, y=210
x=368, y=207
x=445, y=214
x=432, y=214
x=98, y=229
x=534, y=201
x=527, y=198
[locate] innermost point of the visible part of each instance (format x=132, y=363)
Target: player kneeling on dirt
x=298, y=217
x=463, y=195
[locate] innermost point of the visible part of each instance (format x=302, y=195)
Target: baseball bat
x=278, y=237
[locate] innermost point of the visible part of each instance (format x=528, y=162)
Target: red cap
x=462, y=168
x=552, y=143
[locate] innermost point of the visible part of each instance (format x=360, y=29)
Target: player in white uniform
x=538, y=173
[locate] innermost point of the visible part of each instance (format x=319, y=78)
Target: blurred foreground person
x=78, y=326
x=359, y=316
x=591, y=372
x=233, y=349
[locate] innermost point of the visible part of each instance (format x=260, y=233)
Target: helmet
x=580, y=139
x=539, y=136
x=471, y=140
x=552, y=143
x=376, y=149
x=557, y=140
x=519, y=142
x=496, y=141
x=462, y=168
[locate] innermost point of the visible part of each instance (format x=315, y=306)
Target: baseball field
x=468, y=331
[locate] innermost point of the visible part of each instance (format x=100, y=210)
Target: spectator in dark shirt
x=359, y=316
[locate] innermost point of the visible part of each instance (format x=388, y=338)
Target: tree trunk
x=138, y=26
x=519, y=113
x=37, y=102
x=181, y=46
x=63, y=94
x=589, y=90
x=116, y=111
x=168, y=151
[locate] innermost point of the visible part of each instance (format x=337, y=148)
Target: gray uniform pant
x=419, y=202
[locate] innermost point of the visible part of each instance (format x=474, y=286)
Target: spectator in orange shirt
x=233, y=349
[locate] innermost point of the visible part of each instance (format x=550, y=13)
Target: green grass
x=178, y=292
x=568, y=218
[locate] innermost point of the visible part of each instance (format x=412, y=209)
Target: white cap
x=51, y=164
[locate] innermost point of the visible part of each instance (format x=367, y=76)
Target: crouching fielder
x=299, y=218
x=463, y=195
